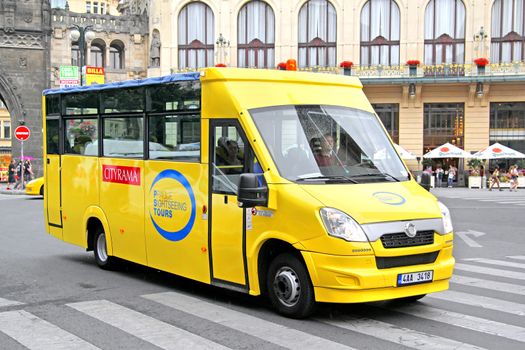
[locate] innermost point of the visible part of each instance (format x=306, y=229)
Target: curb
x=12, y=192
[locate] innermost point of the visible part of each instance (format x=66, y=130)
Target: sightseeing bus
x=267, y=182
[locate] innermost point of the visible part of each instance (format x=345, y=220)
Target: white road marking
x=403, y=336
x=497, y=262
x=6, y=302
x=487, y=284
x=464, y=321
x=156, y=332
x=517, y=257
x=490, y=271
x=480, y=301
x=38, y=334
x=254, y=326
x=469, y=241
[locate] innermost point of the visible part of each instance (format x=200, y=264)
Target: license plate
x=414, y=277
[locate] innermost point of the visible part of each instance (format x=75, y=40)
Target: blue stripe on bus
x=127, y=83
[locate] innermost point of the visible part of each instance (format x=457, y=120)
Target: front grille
x=406, y=260
x=399, y=240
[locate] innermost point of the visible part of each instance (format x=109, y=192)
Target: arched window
x=75, y=54
x=256, y=35
x=97, y=54
x=116, y=55
x=196, y=36
x=508, y=31
x=317, y=34
x=445, y=32
x=380, y=33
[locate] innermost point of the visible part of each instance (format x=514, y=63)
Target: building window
x=102, y=8
x=444, y=32
x=7, y=129
x=317, y=34
x=75, y=54
x=380, y=33
x=443, y=122
x=116, y=55
x=196, y=36
x=256, y=35
x=507, y=124
x=95, y=7
x=389, y=115
x=508, y=31
x=88, y=6
x=97, y=55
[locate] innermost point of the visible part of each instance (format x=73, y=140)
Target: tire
x=103, y=260
x=286, y=274
x=409, y=300
x=42, y=190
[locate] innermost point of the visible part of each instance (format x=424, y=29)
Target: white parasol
x=498, y=151
x=403, y=152
x=447, y=150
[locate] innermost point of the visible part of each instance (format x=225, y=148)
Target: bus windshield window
x=175, y=137
x=123, y=137
x=312, y=142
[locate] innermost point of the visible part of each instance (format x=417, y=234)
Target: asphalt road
x=52, y=296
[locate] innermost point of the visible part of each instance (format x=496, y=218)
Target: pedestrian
x=11, y=174
x=513, y=172
x=439, y=175
x=19, y=178
x=28, y=171
x=451, y=175
x=494, y=179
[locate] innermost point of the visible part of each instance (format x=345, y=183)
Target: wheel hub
x=286, y=286
x=101, y=247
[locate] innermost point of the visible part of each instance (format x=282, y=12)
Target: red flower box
x=220, y=65
x=281, y=66
x=481, y=62
x=346, y=64
x=413, y=62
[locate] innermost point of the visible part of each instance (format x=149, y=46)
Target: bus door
x=230, y=154
x=52, y=188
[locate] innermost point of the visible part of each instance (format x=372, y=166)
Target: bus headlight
x=447, y=220
x=340, y=225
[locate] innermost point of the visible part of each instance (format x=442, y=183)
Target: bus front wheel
x=100, y=250
x=289, y=287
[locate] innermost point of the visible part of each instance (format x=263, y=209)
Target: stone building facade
x=120, y=44
x=444, y=98
x=24, y=47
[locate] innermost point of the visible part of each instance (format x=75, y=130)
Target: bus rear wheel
x=100, y=250
x=289, y=287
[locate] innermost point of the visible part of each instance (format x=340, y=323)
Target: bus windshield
x=311, y=143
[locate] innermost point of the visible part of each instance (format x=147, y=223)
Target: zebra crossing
x=503, y=198
x=486, y=298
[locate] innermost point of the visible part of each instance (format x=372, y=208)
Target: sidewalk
x=4, y=190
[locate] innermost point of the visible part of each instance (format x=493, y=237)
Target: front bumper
x=356, y=279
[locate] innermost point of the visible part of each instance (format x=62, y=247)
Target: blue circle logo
x=165, y=207
x=390, y=198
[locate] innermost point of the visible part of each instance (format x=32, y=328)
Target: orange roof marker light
x=291, y=64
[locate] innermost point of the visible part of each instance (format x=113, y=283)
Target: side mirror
x=425, y=181
x=251, y=192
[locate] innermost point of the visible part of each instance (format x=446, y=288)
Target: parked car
x=35, y=187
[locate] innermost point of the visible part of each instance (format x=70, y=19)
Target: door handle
x=48, y=161
x=225, y=199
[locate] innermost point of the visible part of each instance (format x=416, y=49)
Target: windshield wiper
x=377, y=175
x=327, y=177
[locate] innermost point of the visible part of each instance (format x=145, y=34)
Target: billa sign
x=93, y=75
x=69, y=76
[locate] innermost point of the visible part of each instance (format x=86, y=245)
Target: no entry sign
x=22, y=133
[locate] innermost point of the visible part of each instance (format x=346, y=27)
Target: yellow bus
x=267, y=182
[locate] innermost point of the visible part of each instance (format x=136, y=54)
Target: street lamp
x=82, y=35
x=222, y=45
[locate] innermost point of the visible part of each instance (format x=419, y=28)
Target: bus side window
x=52, y=136
x=228, y=159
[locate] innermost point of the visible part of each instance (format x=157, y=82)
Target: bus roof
x=127, y=83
